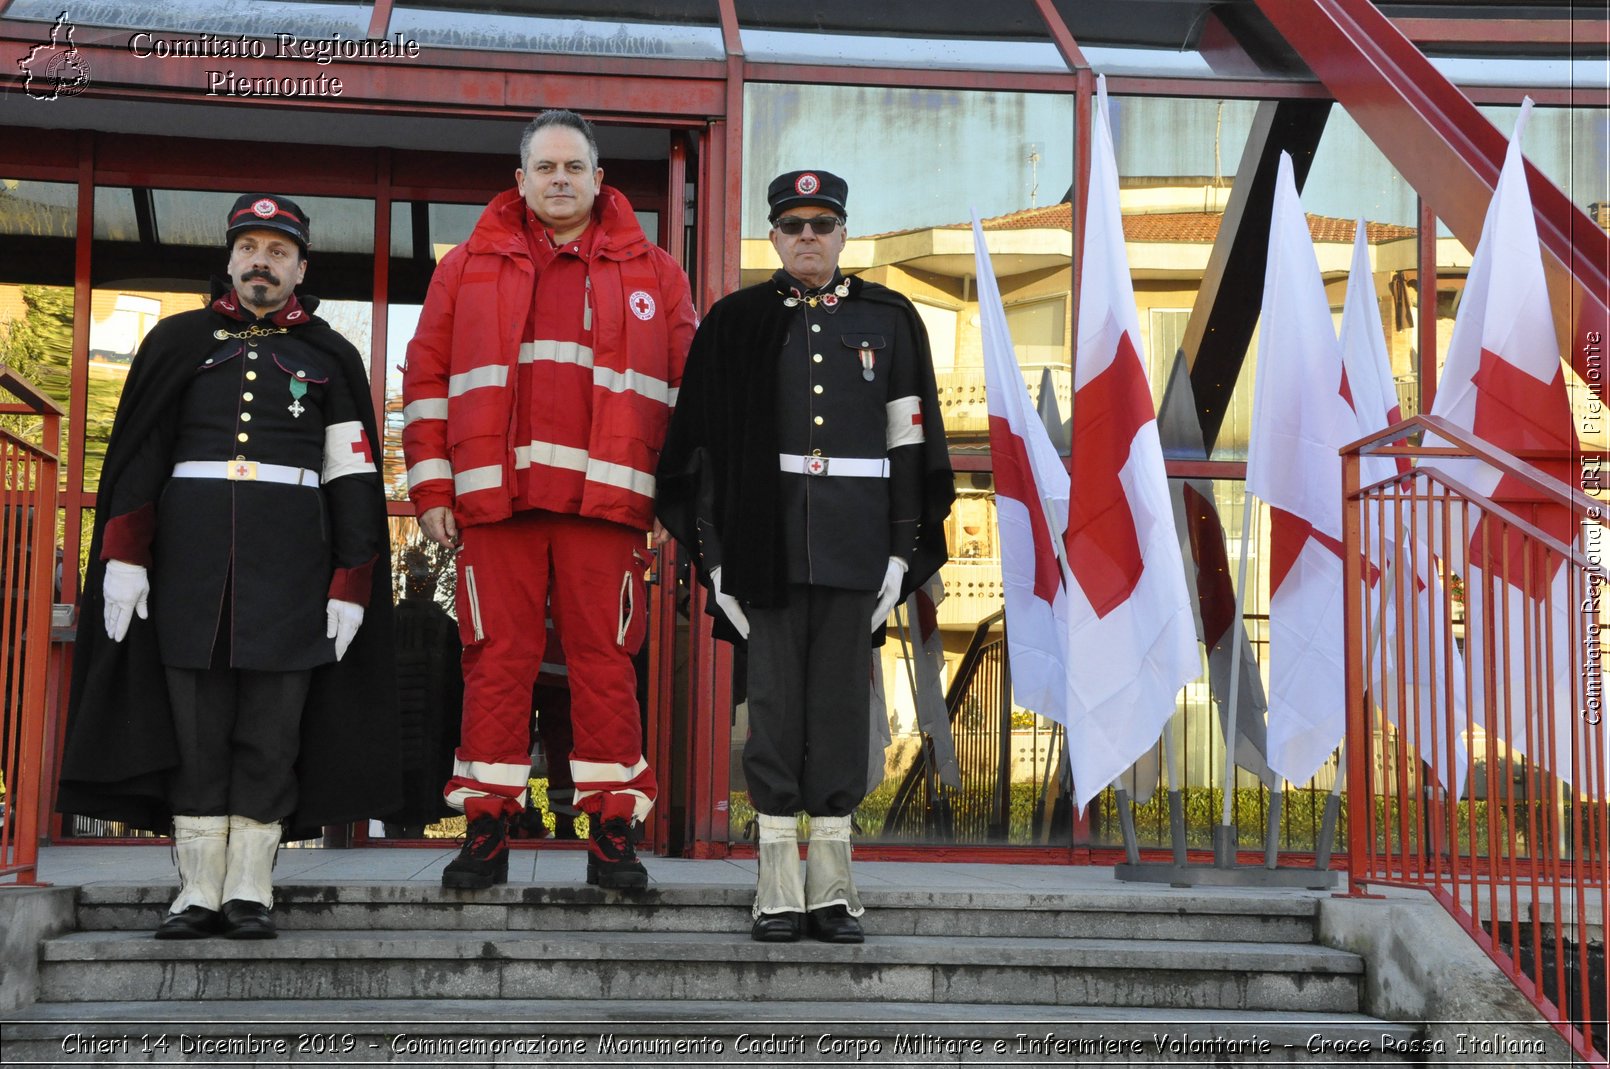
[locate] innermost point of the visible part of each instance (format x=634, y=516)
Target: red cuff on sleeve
x=128, y=537
x=353, y=584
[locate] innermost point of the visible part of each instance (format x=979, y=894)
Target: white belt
x=245, y=471
x=853, y=467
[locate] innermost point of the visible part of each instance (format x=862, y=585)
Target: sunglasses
x=794, y=225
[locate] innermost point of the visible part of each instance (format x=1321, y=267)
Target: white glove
x=729, y=605
x=889, y=593
x=342, y=619
x=125, y=589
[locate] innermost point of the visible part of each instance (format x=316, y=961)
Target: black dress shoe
x=833, y=924
x=192, y=922
x=777, y=928
x=247, y=920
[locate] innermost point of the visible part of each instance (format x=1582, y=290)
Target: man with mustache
x=538, y=388
x=232, y=665
x=807, y=469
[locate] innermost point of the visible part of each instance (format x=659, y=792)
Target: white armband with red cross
x=905, y=421
x=347, y=451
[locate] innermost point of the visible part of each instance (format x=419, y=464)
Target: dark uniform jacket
x=240, y=571
x=767, y=379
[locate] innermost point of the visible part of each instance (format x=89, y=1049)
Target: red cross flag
x=1301, y=418
x=1503, y=380
x=1407, y=671
x=1031, y=507
x=1131, y=635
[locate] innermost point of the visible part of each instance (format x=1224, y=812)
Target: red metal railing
x=28, y=480
x=1476, y=748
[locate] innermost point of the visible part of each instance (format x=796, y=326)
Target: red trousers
x=590, y=573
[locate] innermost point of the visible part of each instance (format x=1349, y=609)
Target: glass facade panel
x=505, y=32
x=854, y=50
x=38, y=224
x=235, y=19
x=38, y=209
x=1005, y=36
x=421, y=234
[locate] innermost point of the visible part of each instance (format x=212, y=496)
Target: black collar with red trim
x=290, y=314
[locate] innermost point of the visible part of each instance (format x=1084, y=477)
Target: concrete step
x=419, y=906
x=475, y=1031
x=339, y=964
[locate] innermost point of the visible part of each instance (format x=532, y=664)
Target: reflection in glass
x=38, y=221
x=119, y=321
x=502, y=32
x=859, y=50
x=231, y=18
x=38, y=209
x=421, y=234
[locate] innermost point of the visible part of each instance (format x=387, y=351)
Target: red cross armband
x=347, y=451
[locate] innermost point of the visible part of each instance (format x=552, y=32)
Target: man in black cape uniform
x=232, y=673
x=807, y=471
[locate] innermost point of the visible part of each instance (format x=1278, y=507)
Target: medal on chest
x=869, y=359
x=298, y=391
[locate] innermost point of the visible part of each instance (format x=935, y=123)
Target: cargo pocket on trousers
x=469, y=607
x=632, y=615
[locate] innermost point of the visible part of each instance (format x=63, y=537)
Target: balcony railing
x=30, y=429
x=1476, y=745
x=962, y=401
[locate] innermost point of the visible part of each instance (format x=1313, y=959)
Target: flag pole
x=1224, y=836
x=1176, y=801
x=1333, y=801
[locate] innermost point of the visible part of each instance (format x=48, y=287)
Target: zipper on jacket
x=627, y=609
x=475, y=602
x=587, y=304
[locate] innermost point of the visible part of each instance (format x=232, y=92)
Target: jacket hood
x=501, y=228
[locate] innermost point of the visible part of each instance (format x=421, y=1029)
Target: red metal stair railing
x=30, y=429
x=1476, y=741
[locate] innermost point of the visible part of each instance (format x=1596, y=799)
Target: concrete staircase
x=567, y=974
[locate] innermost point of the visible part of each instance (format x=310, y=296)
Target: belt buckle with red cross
x=815, y=465
x=241, y=470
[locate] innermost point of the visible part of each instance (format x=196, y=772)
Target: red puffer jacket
x=463, y=362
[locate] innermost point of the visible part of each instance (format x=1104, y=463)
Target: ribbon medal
x=298, y=391
x=868, y=360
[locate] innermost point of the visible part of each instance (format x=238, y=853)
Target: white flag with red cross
x=1504, y=382
x=1131, y=634
x=1031, y=507
x=1409, y=676
x=1302, y=416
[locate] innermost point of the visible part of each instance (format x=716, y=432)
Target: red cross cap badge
x=642, y=304
x=815, y=466
x=807, y=184
x=265, y=209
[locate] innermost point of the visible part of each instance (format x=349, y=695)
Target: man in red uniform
x=538, y=389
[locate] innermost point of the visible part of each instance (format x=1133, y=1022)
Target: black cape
x=120, y=746
x=720, y=454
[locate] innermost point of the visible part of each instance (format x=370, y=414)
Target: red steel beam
x=1450, y=154
x=380, y=20
x=1071, y=55
x=1504, y=31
